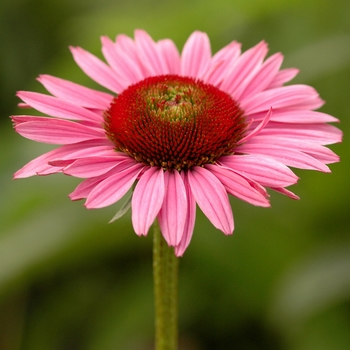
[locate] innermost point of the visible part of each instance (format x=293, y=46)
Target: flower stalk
x=165, y=274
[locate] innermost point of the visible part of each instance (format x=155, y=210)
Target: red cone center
x=174, y=122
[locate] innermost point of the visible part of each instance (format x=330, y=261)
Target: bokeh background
x=70, y=281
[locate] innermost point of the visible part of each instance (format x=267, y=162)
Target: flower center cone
x=174, y=122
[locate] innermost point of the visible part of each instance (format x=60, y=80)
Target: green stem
x=165, y=274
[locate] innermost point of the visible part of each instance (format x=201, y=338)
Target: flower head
x=184, y=129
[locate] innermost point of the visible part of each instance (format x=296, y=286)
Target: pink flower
x=184, y=129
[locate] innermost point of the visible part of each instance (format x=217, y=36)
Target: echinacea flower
x=181, y=129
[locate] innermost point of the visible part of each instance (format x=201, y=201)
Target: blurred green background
x=68, y=280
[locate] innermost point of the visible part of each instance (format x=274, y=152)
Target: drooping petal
x=190, y=218
x=238, y=186
x=264, y=170
x=212, y=198
x=113, y=187
x=147, y=199
x=54, y=131
x=196, y=55
x=173, y=214
x=75, y=93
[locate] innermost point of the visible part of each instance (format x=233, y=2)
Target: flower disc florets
x=174, y=122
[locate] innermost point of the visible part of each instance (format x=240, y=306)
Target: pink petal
x=70, y=157
x=285, y=155
x=196, y=55
x=317, y=151
x=127, y=45
x=190, y=218
x=84, y=188
x=22, y=119
x=287, y=115
x=212, y=198
x=57, y=107
x=324, y=134
x=229, y=53
x=41, y=163
x=170, y=55
x=127, y=48
x=92, y=166
x=147, y=199
x=149, y=55
x=286, y=96
x=245, y=66
x=91, y=151
x=23, y=105
x=264, y=170
x=97, y=70
x=127, y=69
x=255, y=185
x=258, y=129
x=215, y=73
x=54, y=131
x=61, y=163
x=221, y=62
x=238, y=186
x=303, y=117
x=173, y=214
x=263, y=77
x=114, y=187
x=36, y=165
x=283, y=77
x=286, y=193
x=57, y=164
x=75, y=93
